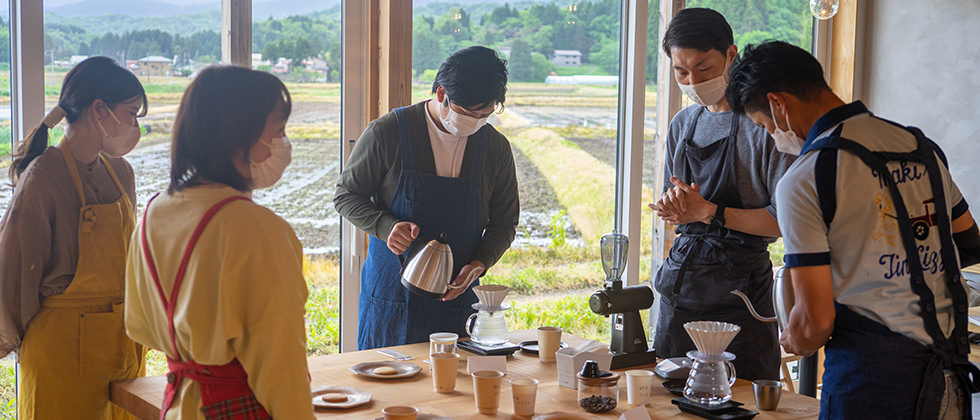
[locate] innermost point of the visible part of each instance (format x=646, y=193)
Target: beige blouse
x=39, y=234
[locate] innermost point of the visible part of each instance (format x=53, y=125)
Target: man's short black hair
x=700, y=29
x=473, y=77
x=774, y=66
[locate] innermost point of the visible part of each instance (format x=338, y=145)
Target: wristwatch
x=719, y=218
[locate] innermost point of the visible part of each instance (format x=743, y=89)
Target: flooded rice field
x=304, y=196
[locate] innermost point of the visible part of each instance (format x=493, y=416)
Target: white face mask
x=267, y=172
x=460, y=125
x=123, y=142
x=786, y=140
x=706, y=93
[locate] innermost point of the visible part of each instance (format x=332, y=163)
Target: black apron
x=706, y=263
x=872, y=372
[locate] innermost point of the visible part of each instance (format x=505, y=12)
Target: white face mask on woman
x=786, y=140
x=123, y=142
x=267, y=172
x=460, y=125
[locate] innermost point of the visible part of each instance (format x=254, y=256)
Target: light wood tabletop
x=143, y=396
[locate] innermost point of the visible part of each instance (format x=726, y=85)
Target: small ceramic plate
x=531, y=347
x=355, y=397
x=402, y=369
x=424, y=416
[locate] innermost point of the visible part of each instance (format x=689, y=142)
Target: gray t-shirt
x=758, y=165
x=862, y=245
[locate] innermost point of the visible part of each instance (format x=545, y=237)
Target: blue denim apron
x=707, y=262
x=389, y=314
x=872, y=372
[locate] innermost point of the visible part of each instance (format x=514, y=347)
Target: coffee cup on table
x=638, y=384
x=525, y=391
x=486, y=390
x=400, y=412
x=442, y=342
x=767, y=393
x=549, y=340
x=444, y=367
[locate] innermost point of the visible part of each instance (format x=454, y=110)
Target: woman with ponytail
x=62, y=249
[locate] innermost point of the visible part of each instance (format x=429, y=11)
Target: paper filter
x=491, y=295
x=711, y=337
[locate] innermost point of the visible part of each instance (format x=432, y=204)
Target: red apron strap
x=171, y=304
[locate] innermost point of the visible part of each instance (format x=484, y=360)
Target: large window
x=561, y=121
x=303, y=49
x=7, y=386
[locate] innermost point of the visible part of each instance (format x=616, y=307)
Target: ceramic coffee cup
x=400, y=412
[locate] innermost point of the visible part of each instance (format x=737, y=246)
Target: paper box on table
x=570, y=364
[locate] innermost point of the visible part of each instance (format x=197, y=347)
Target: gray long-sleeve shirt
x=369, y=180
x=39, y=234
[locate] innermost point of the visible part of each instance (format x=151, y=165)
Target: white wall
x=921, y=67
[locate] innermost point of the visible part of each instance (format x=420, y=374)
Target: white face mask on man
x=458, y=124
x=708, y=92
x=786, y=140
x=127, y=135
x=267, y=172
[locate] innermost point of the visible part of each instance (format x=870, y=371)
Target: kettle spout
x=748, y=304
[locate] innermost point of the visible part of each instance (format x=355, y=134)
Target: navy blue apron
x=872, y=372
x=389, y=314
x=707, y=262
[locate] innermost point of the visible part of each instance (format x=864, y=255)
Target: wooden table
x=143, y=396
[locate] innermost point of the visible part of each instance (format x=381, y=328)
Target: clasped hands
x=683, y=204
x=404, y=233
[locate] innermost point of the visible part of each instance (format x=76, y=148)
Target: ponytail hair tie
x=54, y=117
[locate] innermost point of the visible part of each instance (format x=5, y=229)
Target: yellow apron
x=77, y=343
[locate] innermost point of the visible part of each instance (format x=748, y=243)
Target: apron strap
x=405, y=137
x=946, y=354
x=112, y=173
x=72, y=169
x=171, y=304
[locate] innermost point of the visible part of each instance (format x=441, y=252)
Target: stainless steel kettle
x=783, y=299
x=429, y=272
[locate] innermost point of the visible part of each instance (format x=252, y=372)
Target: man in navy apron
x=876, y=232
x=720, y=172
x=423, y=170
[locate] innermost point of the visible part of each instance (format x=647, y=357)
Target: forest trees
x=530, y=30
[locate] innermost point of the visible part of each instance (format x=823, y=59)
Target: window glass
x=561, y=121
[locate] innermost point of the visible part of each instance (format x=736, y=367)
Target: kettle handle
x=469, y=323
x=731, y=373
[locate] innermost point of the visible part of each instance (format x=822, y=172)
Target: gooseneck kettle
x=429, y=272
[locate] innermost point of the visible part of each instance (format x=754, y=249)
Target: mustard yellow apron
x=77, y=343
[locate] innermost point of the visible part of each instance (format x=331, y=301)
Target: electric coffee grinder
x=623, y=304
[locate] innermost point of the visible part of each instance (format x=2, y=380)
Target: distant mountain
x=261, y=9
x=143, y=8
x=98, y=25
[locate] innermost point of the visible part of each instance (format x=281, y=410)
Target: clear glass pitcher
x=490, y=328
x=711, y=378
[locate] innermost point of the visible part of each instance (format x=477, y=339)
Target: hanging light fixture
x=824, y=9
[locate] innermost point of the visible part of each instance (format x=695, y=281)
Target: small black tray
x=675, y=386
x=531, y=347
x=505, y=349
x=728, y=411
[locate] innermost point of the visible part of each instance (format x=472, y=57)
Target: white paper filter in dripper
x=711, y=337
x=491, y=295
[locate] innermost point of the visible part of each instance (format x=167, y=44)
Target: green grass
x=7, y=390
x=586, y=69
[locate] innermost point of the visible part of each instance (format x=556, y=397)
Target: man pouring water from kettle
x=720, y=173
x=875, y=232
x=421, y=171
